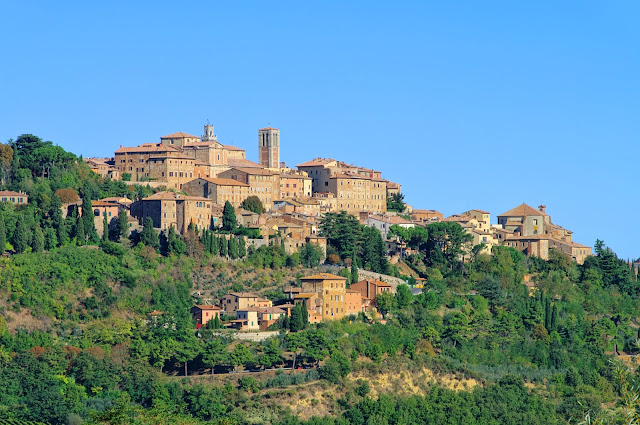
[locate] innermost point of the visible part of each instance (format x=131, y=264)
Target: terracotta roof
x=232, y=148
x=242, y=162
x=294, y=176
x=208, y=307
x=11, y=193
x=121, y=200
x=459, y=218
x=103, y=204
x=392, y=185
x=316, y=162
x=255, y=171
x=168, y=156
x=375, y=282
x=178, y=135
x=268, y=128
x=271, y=310
x=224, y=182
x=148, y=147
x=322, y=276
x=480, y=211
x=172, y=196
x=522, y=210
x=243, y=294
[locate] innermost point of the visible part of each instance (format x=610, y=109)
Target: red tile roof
x=323, y=276
x=242, y=162
x=179, y=135
x=225, y=182
x=148, y=147
x=522, y=210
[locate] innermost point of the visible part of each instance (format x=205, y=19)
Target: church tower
x=208, y=135
x=269, y=147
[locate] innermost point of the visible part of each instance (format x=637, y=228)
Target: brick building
x=219, y=190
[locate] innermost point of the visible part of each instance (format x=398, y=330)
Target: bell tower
x=269, y=147
x=208, y=135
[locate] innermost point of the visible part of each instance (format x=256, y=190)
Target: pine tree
x=233, y=247
x=50, y=238
x=242, y=247
x=20, y=236
x=105, y=227
x=229, y=221
x=149, y=236
x=3, y=236
x=37, y=244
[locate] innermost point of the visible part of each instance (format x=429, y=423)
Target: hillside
x=78, y=344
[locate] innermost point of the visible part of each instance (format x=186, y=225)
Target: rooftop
x=522, y=210
x=179, y=134
x=323, y=276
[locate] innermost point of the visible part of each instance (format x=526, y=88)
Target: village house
x=355, y=188
x=170, y=209
x=295, y=185
x=235, y=301
x=384, y=222
x=257, y=318
x=426, y=215
x=203, y=313
x=262, y=183
x=330, y=291
x=134, y=160
x=533, y=232
x=14, y=197
x=305, y=206
x=370, y=289
x=219, y=190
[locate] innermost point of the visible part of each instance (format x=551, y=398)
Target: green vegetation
x=78, y=343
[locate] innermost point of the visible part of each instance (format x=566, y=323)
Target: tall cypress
x=242, y=247
x=3, y=235
x=354, y=270
x=233, y=247
x=20, y=236
x=105, y=227
x=80, y=235
x=38, y=240
x=224, y=247
x=87, y=218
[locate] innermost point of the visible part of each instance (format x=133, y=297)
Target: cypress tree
x=3, y=235
x=547, y=313
x=149, y=236
x=295, y=323
x=242, y=248
x=123, y=225
x=55, y=213
x=304, y=313
x=50, y=238
x=233, y=247
x=20, y=236
x=554, y=317
x=229, y=221
x=354, y=270
x=215, y=245
x=105, y=227
x=80, y=235
x=38, y=240
x=224, y=247
x=87, y=218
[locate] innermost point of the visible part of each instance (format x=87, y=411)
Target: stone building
x=370, y=289
x=269, y=147
x=175, y=170
x=170, y=209
x=219, y=190
x=235, y=301
x=134, y=160
x=330, y=290
x=426, y=215
x=384, y=222
x=203, y=313
x=14, y=197
x=262, y=183
x=179, y=139
x=293, y=185
x=356, y=188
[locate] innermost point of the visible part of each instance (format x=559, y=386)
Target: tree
x=87, y=217
x=403, y=296
x=50, y=238
x=240, y=356
x=175, y=244
x=233, y=247
x=149, y=236
x=122, y=229
x=395, y=202
x=271, y=353
x=224, y=247
x=343, y=232
x=80, y=235
x=296, y=322
x=384, y=302
x=242, y=247
x=253, y=204
x=3, y=235
x=229, y=222
x=354, y=270
x=20, y=238
x=215, y=353
x=311, y=254
x=105, y=227
x=38, y=240
x=55, y=213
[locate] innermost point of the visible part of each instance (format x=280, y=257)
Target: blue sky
x=466, y=104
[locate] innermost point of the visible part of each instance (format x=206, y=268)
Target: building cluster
x=324, y=296
x=196, y=176
x=524, y=228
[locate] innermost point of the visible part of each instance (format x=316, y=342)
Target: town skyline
x=554, y=103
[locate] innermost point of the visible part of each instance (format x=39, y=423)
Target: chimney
x=542, y=208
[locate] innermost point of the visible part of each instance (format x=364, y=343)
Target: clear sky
x=467, y=104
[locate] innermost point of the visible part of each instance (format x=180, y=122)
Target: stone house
x=295, y=185
x=203, y=313
x=262, y=183
x=426, y=215
x=370, y=289
x=219, y=190
x=235, y=301
x=168, y=209
x=14, y=197
x=384, y=222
